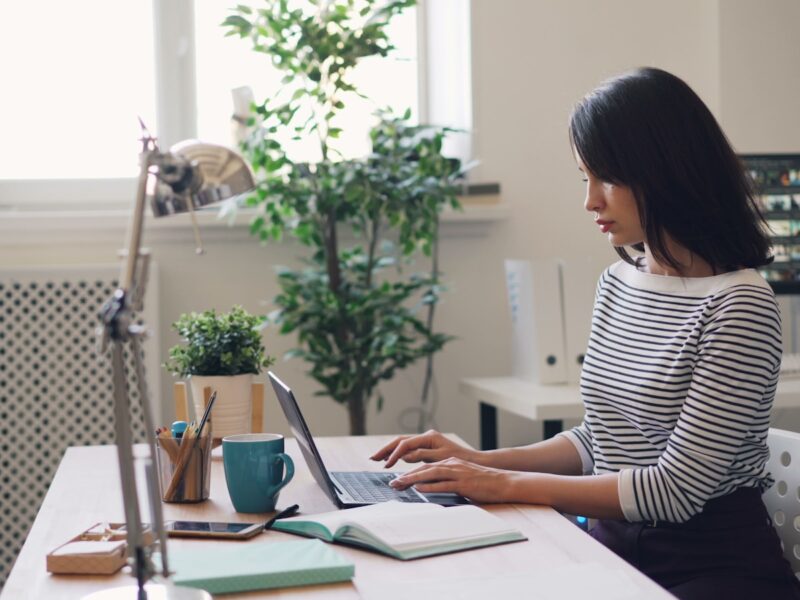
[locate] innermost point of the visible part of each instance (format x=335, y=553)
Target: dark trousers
x=729, y=551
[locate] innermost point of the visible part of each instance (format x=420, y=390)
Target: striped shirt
x=678, y=383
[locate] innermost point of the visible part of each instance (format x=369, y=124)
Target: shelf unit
x=777, y=182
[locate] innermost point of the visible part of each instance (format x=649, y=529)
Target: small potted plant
x=222, y=352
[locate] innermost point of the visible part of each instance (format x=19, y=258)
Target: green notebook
x=406, y=530
x=258, y=566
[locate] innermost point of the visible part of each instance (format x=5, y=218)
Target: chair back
x=783, y=498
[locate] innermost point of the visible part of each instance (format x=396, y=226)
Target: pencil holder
x=184, y=471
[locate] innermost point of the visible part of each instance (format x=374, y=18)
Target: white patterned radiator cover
x=55, y=391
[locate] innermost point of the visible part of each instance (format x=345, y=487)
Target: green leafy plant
x=358, y=316
x=225, y=344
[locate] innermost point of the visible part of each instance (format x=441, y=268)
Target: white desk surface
x=559, y=561
x=563, y=400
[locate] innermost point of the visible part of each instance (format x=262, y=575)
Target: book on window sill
x=406, y=530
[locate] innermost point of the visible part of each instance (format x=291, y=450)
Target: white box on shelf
x=537, y=324
x=578, y=285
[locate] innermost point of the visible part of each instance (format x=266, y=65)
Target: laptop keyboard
x=373, y=487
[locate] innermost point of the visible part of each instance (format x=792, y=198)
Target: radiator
x=55, y=390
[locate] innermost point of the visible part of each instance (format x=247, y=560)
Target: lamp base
x=154, y=592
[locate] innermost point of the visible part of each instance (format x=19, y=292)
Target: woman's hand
x=430, y=446
x=476, y=482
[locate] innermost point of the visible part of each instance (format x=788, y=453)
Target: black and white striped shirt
x=678, y=383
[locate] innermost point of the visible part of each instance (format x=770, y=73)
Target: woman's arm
x=594, y=496
x=557, y=455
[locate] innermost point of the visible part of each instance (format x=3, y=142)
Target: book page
x=402, y=526
x=409, y=526
x=364, y=516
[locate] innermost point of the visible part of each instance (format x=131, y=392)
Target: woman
x=681, y=366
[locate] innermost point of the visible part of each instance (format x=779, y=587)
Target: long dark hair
x=648, y=130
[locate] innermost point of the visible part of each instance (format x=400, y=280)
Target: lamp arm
x=153, y=486
x=122, y=433
x=137, y=218
x=118, y=329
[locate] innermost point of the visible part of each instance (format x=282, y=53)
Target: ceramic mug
x=254, y=470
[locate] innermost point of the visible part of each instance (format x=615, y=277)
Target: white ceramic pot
x=233, y=408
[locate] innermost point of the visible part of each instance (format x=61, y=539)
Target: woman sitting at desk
x=682, y=362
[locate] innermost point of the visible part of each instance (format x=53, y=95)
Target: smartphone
x=206, y=529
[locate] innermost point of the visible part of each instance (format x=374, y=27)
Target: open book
x=406, y=530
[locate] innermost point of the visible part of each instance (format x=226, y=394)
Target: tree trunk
x=357, y=409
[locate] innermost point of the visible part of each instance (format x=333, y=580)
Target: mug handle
x=289, y=466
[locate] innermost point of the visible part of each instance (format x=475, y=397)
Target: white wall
x=760, y=74
x=532, y=60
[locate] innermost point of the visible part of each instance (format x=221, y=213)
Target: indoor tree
x=359, y=316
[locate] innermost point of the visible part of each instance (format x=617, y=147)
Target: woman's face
x=614, y=208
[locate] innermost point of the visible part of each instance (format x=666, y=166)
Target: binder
x=537, y=323
x=579, y=281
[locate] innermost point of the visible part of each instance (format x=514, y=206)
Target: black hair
x=649, y=131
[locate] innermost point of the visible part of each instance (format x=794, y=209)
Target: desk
x=554, y=402
x=86, y=490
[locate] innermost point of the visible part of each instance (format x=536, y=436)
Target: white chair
x=783, y=498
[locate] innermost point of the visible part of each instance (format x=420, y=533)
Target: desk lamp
x=189, y=176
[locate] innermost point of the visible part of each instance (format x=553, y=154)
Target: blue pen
x=178, y=428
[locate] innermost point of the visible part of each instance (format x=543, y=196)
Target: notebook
x=222, y=569
x=406, y=530
x=348, y=489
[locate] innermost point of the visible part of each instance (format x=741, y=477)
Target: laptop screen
x=303, y=436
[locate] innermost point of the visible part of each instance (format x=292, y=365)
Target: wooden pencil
x=184, y=454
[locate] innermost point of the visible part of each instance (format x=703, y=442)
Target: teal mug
x=254, y=470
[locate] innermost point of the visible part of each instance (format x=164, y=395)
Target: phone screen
x=206, y=527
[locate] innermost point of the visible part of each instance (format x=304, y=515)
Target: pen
x=206, y=413
x=286, y=512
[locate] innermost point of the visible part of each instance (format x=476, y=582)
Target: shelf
x=786, y=240
x=785, y=287
x=782, y=215
x=108, y=226
x=477, y=213
x=786, y=265
x=776, y=190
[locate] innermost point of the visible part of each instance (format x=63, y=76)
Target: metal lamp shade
x=203, y=174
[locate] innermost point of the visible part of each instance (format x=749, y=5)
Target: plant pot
x=233, y=408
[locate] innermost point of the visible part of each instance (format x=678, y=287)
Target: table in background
x=552, y=403
x=86, y=490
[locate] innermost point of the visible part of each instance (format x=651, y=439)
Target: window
x=75, y=78
x=73, y=93
x=225, y=63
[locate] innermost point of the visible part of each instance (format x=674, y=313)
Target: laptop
x=348, y=489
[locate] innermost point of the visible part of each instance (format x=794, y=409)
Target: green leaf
x=256, y=224
x=238, y=23
x=225, y=344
